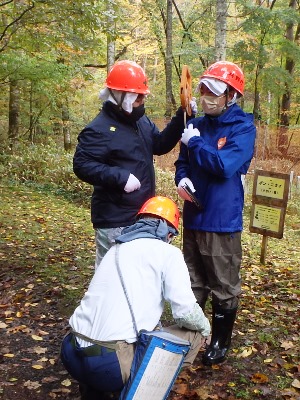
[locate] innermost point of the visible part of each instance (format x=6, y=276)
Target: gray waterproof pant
x=214, y=262
x=105, y=239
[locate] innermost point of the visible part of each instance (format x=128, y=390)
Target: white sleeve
x=178, y=292
x=195, y=321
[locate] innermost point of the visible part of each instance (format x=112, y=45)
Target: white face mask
x=211, y=104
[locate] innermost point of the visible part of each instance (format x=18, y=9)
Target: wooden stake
x=263, y=249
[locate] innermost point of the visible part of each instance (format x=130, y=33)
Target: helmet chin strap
x=226, y=100
x=115, y=99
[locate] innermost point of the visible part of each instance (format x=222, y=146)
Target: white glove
x=193, y=105
x=182, y=193
x=188, y=133
x=132, y=184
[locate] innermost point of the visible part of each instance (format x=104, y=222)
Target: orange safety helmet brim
x=127, y=76
x=227, y=72
x=162, y=207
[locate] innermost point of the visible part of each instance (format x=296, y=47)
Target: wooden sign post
x=269, y=202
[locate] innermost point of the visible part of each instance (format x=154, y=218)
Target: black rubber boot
x=222, y=325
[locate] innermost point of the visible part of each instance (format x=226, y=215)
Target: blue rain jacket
x=216, y=172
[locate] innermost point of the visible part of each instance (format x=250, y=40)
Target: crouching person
x=99, y=350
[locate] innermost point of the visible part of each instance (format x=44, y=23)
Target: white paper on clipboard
x=158, y=374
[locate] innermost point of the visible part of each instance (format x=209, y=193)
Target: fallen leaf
x=32, y=385
x=50, y=379
x=40, y=350
x=37, y=366
x=245, y=353
x=66, y=382
x=35, y=337
x=43, y=333
x=296, y=383
x=259, y=378
x=287, y=345
x=43, y=359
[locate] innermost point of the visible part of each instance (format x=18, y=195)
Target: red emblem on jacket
x=221, y=142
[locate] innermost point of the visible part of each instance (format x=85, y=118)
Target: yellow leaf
x=268, y=360
x=8, y=355
x=37, y=366
x=245, y=353
x=35, y=337
x=19, y=314
x=66, y=382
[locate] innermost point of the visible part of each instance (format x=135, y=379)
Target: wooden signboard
x=269, y=202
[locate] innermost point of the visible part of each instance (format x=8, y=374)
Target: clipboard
x=158, y=360
x=189, y=192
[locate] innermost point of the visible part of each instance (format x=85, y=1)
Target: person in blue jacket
x=215, y=154
x=115, y=153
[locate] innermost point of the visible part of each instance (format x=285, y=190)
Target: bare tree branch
x=15, y=21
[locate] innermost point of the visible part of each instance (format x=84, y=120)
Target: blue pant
x=96, y=367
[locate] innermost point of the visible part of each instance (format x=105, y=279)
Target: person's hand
x=193, y=105
x=182, y=193
x=132, y=184
x=188, y=133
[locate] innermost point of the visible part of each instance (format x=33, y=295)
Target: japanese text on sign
x=270, y=187
x=266, y=217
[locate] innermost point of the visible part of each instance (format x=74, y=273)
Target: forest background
x=54, y=59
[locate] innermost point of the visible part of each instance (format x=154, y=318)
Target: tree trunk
x=66, y=127
x=221, y=24
x=259, y=67
x=13, y=112
x=169, y=60
x=111, y=29
x=286, y=98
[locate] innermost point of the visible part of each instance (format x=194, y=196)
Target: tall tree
x=111, y=33
x=293, y=36
x=221, y=24
x=14, y=112
x=169, y=59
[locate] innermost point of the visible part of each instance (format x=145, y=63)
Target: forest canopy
x=55, y=56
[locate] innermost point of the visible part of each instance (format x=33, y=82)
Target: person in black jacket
x=115, y=153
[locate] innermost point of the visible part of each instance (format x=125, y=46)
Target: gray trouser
x=214, y=261
x=105, y=238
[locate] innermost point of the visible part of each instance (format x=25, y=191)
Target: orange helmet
x=127, y=76
x=227, y=72
x=162, y=207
